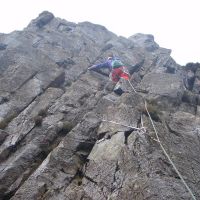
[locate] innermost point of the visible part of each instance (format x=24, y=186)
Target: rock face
x=53, y=141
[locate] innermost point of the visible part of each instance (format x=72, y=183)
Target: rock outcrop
x=57, y=136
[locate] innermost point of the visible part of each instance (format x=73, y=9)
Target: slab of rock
x=64, y=133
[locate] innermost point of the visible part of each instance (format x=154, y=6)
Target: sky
x=173, y=23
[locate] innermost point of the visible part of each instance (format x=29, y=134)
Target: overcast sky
x=174, y=23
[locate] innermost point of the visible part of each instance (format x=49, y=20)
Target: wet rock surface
x=63, y=136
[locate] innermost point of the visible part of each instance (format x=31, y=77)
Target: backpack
x=116, y=62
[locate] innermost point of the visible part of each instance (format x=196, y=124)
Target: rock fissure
x=26, y=81
x=61, y=147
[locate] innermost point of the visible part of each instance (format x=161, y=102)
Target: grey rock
x=196, y=87
x=3, y=136
x=43, y=19
x=3, y=46
x=66, y=135
x=190, y=78
x=166, y=89
x=144, y=41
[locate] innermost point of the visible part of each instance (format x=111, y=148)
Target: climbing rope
x=157, y=139
x=162, y=147
x=132, y=86
x=139, y=129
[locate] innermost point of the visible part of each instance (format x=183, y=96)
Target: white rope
x=163, y=149
x=132, y=86
x=122, y=124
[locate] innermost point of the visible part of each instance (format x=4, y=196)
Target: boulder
x=166, y=89
x=44, y=18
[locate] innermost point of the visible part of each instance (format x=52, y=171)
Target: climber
x=117, y=71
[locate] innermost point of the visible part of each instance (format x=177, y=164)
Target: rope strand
x=163, y=149
x=123, y=125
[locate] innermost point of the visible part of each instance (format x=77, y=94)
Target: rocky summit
x=63, y=136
